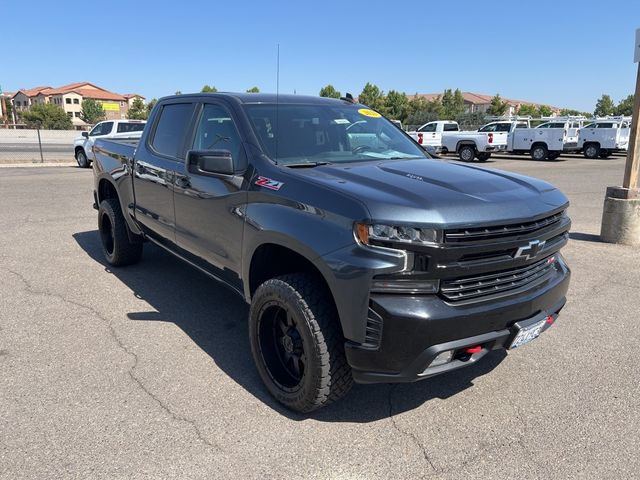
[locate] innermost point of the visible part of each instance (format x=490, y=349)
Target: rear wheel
x=82, y=160
x=591, y=150
x=297, y=343
x=118, y=249
x=467, y=153
x=483, y=156
x=539, y=152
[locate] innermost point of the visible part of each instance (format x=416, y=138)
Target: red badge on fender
x=269, y=183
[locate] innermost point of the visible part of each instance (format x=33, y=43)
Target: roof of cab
x=249, y=98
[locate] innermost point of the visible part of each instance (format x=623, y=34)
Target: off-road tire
x=81, y=158
x=118, y=249
x=467, y=153
x=327, y=375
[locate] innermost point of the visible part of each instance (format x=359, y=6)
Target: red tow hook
x=550, y=319
x=472, y=350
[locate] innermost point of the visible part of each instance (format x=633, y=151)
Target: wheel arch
x=463, y=143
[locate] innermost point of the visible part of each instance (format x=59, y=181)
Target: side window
x=431, y=127
x=130, y=127
x=171, y=128
x=489, y=128
x=106, y=128
x=544, y=125
x=450, y=127
x=97, y=130
x=217, y=131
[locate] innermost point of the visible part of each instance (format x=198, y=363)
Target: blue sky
x=562, y=53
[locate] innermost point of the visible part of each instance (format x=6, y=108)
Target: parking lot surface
x=146, y=372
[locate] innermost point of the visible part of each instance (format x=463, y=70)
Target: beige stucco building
x=70, y=98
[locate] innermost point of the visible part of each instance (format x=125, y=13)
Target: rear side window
x=130, y=127
x=172, y=128
x=450, y=127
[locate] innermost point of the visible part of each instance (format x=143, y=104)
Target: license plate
x=526, y=334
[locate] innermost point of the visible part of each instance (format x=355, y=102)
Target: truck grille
x=501, y=231
x=477, y=286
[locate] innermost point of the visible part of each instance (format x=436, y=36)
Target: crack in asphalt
x=407, y=433
x=122, y=346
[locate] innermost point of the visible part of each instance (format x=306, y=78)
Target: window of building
x=76, y=101
x=171, y=129
x=68, y=100
x=70, y=114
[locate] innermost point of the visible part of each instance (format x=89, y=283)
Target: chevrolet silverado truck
x=362, y=258
x=108, y=129
x=491, y=138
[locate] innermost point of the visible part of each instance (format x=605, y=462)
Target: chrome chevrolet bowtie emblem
x=531, y=250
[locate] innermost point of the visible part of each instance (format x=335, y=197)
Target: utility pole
x=621, y=213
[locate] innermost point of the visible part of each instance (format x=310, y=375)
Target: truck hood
x=429, y=191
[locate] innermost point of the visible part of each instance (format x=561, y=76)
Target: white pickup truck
x=604, y=136
x=430, y=134
x=481, y=144
x=108, y=129
x=548, y=140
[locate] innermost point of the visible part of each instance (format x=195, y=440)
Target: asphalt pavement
x=146, y=372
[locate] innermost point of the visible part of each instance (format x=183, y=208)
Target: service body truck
x=546, y=141
x=604, y=136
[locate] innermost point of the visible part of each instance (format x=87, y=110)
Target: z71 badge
x=268, y=183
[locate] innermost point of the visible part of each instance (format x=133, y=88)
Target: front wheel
x=297, y=343
x=467, y=153
x=82, y=160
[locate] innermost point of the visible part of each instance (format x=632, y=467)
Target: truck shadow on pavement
x=216, y=320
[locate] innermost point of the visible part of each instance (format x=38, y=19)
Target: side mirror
x=214, y=162
x=85, y=134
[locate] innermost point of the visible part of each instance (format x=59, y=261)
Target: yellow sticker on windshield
x=369, y=113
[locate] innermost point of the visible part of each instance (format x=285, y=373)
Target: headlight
x=391, y=233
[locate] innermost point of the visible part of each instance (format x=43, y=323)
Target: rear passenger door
x=155, y=168
x=208, y=224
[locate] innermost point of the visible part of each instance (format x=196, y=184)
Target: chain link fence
x=22, y=145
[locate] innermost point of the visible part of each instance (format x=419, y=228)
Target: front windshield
x=328, y=133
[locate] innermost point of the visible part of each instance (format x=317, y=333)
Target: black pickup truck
x=363, y=258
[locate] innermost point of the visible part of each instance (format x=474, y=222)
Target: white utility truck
x=548, y=140
x=482, y=143
x=430, y=134
x=108, y=129
x=604, y=136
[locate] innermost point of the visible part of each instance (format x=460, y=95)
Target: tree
x=528, y=110
x=497, y=106
x=625, y=107
x=47, y=116
x=422, y=111
x=92, y=111
x=205, y=89
x=137, y=110
x=150, y=105
x=567, y=112
x=452, y=103
x=372, y=96
x=178, y=92
x=253, y=90
x=604, y=106
x=329, y=91
x=545, y=111
x=396, y=105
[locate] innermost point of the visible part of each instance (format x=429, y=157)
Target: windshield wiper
x=305, y=164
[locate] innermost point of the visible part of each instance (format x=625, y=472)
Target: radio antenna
x=277, y=99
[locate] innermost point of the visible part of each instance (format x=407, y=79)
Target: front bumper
x=415, y=329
